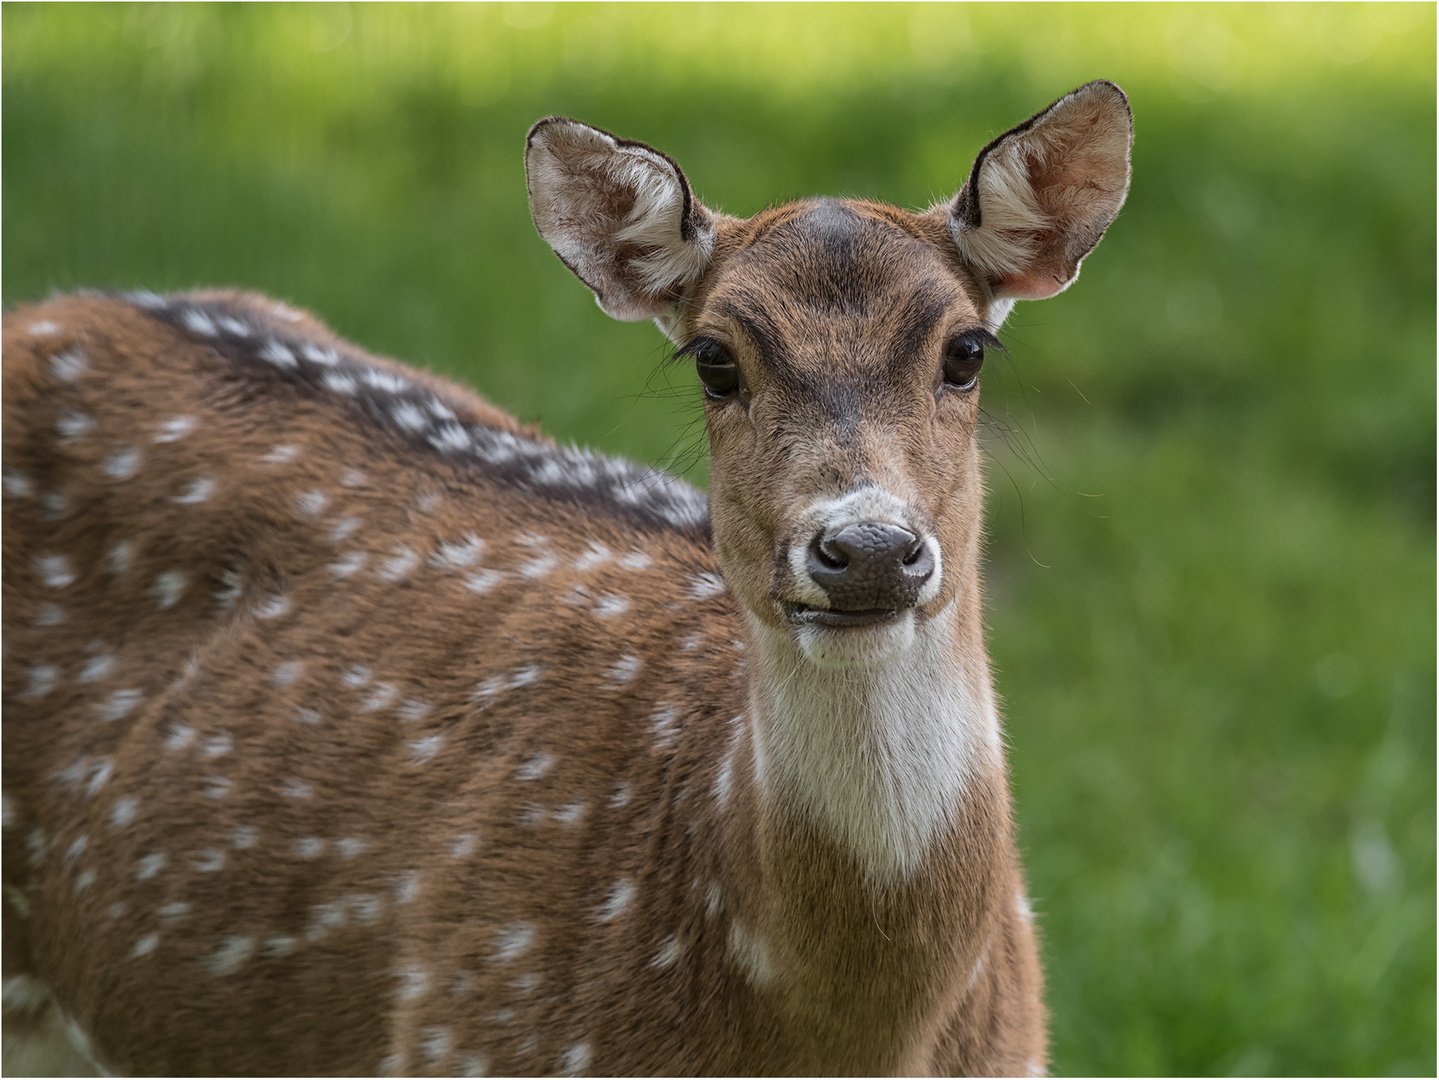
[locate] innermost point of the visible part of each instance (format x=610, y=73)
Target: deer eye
x=963, y=357
x=716, y=367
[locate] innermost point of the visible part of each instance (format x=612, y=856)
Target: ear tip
x=1106, y=89
x=553, y=128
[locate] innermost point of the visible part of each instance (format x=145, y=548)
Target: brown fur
x=274, y=809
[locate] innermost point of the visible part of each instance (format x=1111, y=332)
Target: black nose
x=869, y=565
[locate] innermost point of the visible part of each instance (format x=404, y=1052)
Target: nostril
x=915, y=551
x=828, y=555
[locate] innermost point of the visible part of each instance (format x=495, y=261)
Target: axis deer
x=352, y=727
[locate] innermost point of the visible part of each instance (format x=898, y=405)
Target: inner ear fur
x=618, y=213
x=1040, y=196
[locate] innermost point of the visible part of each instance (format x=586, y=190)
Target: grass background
x=1212, y=554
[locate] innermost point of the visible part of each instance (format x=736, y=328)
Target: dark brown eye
x=716, y=367
x=963, y=357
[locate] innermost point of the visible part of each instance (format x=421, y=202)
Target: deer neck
x=879, y=758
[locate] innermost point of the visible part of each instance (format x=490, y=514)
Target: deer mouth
x=836, y=619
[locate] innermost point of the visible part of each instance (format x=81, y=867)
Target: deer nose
x=870, y=565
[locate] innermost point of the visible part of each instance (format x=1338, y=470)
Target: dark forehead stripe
x=417, y=416
x=834, y=258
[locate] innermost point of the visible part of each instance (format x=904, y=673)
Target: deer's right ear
x=620, y=215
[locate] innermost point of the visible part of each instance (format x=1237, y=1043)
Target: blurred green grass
x=1212, y=572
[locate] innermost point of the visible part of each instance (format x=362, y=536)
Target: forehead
x=836, y=265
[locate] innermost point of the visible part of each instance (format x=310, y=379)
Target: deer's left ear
x=1040, y=196
x=620, y=215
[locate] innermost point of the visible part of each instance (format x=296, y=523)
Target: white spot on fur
x=97, y=668
x=216, y=787
x=43, y=328
x=76, y=849
x=482, y=581
x=323, y=919
x=705, y=585
x=621, y=796
x=407, y=887
x=70, y=365
x=412, y=710
x=281, y=454
x=217, y=745
x=119, y=557
x=665, y=726
x=572, y=813
x=309, y=847
x=636, y=560
x=180, y=736
x=621, y=894
x=577, y=1060
x=198, y=491
x=624, y=670
x=514, y=941
x=414, y=982
x=344, y=529
x=751, y=953
x=671, y=950
x=122, y=464
x=422, y=750
x=120, y=704
x=365, y=907
x=352, y=847
x=381, y=697
x=199, y=322
x=409, y=416
x=608, y=607
x=535, y=767
x=310, y=503
x=275, y=353
x=176, y=428
x=145, y=946
x=356, y=675
x=42, y=679
x=100, y=773
x=353, y=478
x=169, y=587
x=400, y=565
x=18, y=486
x=463, y=846
x=279, y=946
x=244, y=837
x=234, y=950
x=151, y=865
x=449, y=437
x=22, y=994
x=714, y=899
x=594, y=555
x=211, y=861
x=303, y=715
x=123, y=812
x=539, y=566
x=341, y=383
x=84, y=880
x=473, y=1065
x=458, y=554
x=57, y=505
x=73, y=426
x=55, y=570
x=296, y=789
x=289, y=672
x=349, y=565
x=435, y=1043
